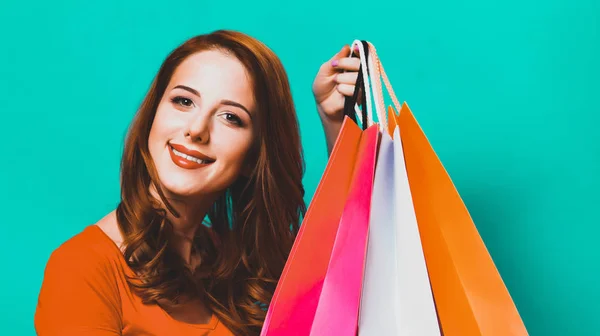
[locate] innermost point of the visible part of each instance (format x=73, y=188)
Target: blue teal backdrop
x=507, y=92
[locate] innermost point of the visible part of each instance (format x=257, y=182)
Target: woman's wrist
x=335, y=117
x=332, y=123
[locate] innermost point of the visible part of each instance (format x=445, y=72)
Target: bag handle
x=378, y=67
x=351, y=107
x=377, y=90
x=362, y=86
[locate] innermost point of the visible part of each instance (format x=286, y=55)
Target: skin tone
x=333, y=83
x=208, y=106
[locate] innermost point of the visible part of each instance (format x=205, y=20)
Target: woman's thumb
x=345, y=52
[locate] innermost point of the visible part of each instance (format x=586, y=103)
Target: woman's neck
x=191, y=215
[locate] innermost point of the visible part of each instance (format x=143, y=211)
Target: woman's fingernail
x=334, y=63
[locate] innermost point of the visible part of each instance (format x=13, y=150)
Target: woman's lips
x=184, y=157
x=190, y=152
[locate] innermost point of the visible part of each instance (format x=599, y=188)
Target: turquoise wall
x=507, y=92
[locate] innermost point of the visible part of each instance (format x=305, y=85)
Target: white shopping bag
x=396, y=294
x=378, y=304
x=416, y=307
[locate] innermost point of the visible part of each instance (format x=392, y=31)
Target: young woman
x=211, y=200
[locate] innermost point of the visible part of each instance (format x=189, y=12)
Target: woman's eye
x=182, y=101
x=232, y=118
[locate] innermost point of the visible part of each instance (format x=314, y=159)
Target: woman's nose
x=198, y=128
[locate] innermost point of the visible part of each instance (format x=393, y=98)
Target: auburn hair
x=252, y=225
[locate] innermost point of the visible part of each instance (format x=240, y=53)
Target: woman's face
x=203, y=127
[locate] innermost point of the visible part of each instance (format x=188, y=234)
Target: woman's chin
x=180, y=191
x=185, y=186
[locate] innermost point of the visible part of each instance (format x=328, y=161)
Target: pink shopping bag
x=337, y=311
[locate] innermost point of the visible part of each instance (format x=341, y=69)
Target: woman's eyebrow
x=187, y=88
x=236, y=104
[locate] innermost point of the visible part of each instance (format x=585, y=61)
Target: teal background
x=507, y=92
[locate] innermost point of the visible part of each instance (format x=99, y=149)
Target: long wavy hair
x=251, y=227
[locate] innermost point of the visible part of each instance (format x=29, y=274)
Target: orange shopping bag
x=296, y=298
x=470, y=296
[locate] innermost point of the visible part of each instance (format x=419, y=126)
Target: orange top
x=85, y=292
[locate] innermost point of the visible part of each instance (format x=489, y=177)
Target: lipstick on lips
x=187, y=158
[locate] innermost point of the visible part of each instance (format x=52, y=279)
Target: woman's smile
x=187, y=158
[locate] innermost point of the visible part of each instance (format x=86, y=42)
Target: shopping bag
x=470, y=296
x=338, y=308
x=416, y=309
x=396, y=294
x=294, y=304
x=379, y=293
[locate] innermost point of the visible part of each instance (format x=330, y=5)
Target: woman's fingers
x=348, y=91
x=347, y=63
x=330, y=67
x=346, y=78
x=345, y=89
x=348, y=73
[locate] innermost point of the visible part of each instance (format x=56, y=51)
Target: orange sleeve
x=79, y=294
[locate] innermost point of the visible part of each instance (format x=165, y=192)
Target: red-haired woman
x=211, y=199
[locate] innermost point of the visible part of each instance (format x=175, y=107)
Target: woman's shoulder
x=80, y=288
x=91, y=249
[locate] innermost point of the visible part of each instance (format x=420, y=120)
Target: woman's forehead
x=215, y=75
